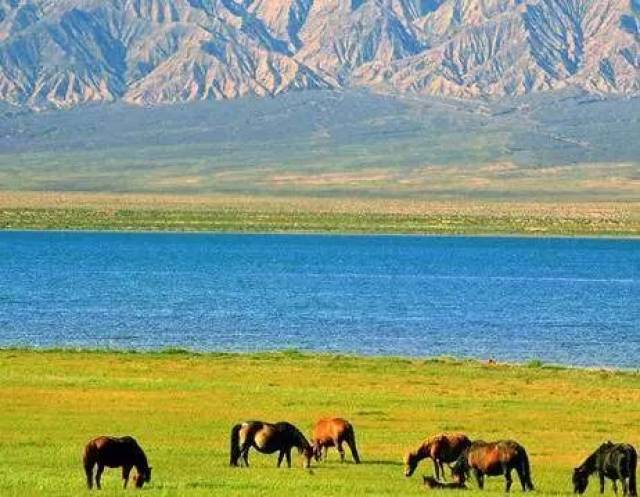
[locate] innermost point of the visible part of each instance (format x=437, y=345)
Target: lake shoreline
x=316, y=215
x=309, y=355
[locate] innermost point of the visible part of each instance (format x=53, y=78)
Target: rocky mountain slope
x=59, y=53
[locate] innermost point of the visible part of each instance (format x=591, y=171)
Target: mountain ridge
x=146, y=52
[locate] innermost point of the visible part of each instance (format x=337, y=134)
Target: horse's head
x=580, y=480
x=143, y=477
x=317, y=451
x=307, y=452
x=460, y=469
x=410, y=463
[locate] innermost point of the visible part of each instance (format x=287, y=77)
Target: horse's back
x=331, y=429
x=619, y=456
x=491, y=456
x=111, y=451
x=447, y=446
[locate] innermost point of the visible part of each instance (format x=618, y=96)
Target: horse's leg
x=479, y=478
x=288, y=456
x=624, y=486
x=326, y=452
x=444, y=476
x=351, y=442
x=99, y=475
x=522, y=477
x=507, y=478
x=601, y=476
x=280, y=457
x=126, y=471
x=88, y=470
x=244, y=453
x=338, y=444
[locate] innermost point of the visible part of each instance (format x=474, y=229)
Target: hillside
x=327, y=143
x=68, y=52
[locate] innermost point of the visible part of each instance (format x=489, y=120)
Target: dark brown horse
x=493, y=459
x=113, y=452
x=613, y=461
x=444, y=448
x=268, y=438
x=431, y=482
x=333, y=432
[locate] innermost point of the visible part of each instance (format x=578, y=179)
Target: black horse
x=613, y=461
x=268, y=438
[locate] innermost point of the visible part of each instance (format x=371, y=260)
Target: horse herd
x=615, y=461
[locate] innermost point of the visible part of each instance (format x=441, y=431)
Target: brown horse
x=493, y=459
x=444, y=448
x=113, y=452
x=431, y=482
x=268, y=438
x=333, y=432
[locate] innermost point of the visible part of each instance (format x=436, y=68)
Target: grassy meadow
x=180, y=406
x=92, y=211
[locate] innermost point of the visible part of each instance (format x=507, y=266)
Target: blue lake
x=571, y=301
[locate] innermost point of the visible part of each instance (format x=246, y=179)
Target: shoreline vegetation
x=257, y=214
x=181, y=405
x=302, y=354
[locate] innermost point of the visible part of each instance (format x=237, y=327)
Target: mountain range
x=61, y=53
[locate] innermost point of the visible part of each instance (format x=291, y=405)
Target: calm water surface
x=573, y=301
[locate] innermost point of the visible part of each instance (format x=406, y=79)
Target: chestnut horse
x=268, y=438
x=444, y=448
x=493, y=459
x=613, y=461
x=113, y=452
x=333, y=432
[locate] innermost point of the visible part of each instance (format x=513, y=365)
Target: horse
x=333, y=432
x=493, y=459
x=268, y=438
x=613, y=461
x=431, y=482
x=440, y=448
x=114, y=452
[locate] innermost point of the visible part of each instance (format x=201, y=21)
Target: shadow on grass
x=382, y=463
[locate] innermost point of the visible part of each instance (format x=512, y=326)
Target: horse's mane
x=589, y=464
x=304, y=443
x=140, y=456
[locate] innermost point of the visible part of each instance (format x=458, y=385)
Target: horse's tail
x=633, y=462
x=526, y=470
x=234, y=449
x=350, y=438
x=88, y=461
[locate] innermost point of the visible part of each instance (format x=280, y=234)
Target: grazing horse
x=431, y=482
x=333, y=432
x=114, y=452
x=268, y=438
x=442, y=448
x=493, y=459
x=613, y=461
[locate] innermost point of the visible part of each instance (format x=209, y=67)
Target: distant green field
x=181, y=406
x=307, y=215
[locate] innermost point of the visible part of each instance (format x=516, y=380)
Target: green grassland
x=312, y=215
x=181, y=406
